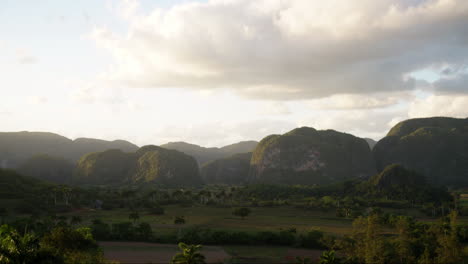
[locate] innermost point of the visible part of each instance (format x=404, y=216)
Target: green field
x=261, y=219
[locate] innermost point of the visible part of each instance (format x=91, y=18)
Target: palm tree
x=189, y=255
x=134, y=216
x=329, y=257
x=15, y=248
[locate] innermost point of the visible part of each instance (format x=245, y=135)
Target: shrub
x=179, y=220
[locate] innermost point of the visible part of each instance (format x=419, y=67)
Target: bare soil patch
x=140, y=252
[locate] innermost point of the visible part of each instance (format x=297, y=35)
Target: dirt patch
x=139, y=252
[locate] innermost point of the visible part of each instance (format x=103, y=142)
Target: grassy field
x=261, y=219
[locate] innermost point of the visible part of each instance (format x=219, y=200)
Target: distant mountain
x=16, y=186
x=230, y=170
x=308, y=156
x=435, y=147
x=203, y=155
x=47, y=168
x=371, y=142
x=149, y=164
x=17, y=147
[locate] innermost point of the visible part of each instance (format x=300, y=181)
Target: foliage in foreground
x=190, y=255
x=62, y=245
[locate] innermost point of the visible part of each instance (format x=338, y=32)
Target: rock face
x=17, y=147
x=231, y=170
x=435, y=147
x=150, y=164
x=47, y=168
x=204, y=155
x=307, y=156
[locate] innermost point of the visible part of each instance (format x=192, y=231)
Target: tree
x=242, y=212
x=329, y=257
x=134, y=216
x=179, y=220
x=190, y=255
x=15, y=248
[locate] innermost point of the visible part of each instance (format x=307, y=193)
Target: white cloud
x=24, y=57
x=274, y=108
x=357, y=101
x=37, y=100
x=288, y=49
x=440, y=105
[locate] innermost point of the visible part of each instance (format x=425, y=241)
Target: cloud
x=274, y=108
x=440, y=105
x=361, y=123
x=357, y=101
x=37, y=100
x=24, y=57
x=220, y=133
x=287, y=49
x=455, y=84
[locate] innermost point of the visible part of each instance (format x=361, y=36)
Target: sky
x=216, y=72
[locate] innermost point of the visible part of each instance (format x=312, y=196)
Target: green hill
x=17, y=147
x=231, y=170
x=435, y=147
x=204, y=155
x=398, y=183
x=307, y=156
x=102, y=168
x=48, y=168
x=16, y=186
x=149, y=164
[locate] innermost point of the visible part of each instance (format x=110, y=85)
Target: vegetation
x=231, y=170
x=435, y=147
x=190, y=255
x=242, y=212
x=17, y=147
x=148, y=164
x=205, y=155
x=307, y=156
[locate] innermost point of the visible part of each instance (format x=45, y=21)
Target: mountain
x=230, y=170
x=102, y=168
x=165, y=167
x=203, y=155
x=17, y=147
x=47, y=168
x=16, y=186
x=371, y=142
x=149, y=164
x=396, y=176
x=308, y=156
x=436, y=147
x=396, y=182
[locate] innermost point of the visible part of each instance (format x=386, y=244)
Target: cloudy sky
x=216, y=72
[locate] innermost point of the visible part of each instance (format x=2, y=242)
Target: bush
x=158, y=210
x=100, y=230
x=144, y=232
x=311, y=239
x=179, y=220
x=123, y=231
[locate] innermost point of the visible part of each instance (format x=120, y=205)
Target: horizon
x=214, y=73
